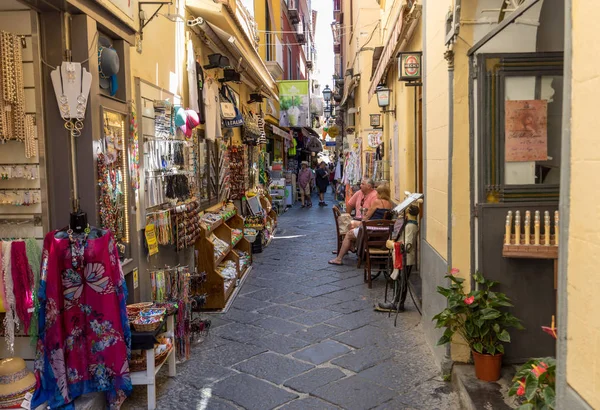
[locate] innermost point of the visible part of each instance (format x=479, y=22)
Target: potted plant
x=477, y=318
x=535, y=382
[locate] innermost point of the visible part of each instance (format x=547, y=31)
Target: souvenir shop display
x=19, y=171
x=224, y=173
x=223, y=250
x=19, y=196
x=172, y=293
x=238, y=171
x=187, y=224
x=162, y=223
x=15, y=125
x=134, y=149
x=19, y=279
x=82, y=315
x=111, y=165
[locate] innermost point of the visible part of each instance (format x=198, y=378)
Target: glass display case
x=112, y=166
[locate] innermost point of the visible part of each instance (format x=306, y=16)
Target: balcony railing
x=301, y=33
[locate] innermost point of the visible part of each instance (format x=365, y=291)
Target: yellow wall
x=404, y=103
x=260, y=11
x=162, y=61
x=436, y=128
x=583, y=283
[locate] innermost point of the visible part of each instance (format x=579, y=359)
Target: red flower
x=454, y=271
x=540, y=369
x=469, y=300
x=521, y=390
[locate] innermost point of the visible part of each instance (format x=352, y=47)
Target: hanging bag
x=227, y=107
x=238, y=119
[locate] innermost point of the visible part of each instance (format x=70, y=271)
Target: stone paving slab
x=352, y=306
x=280, y=326
x=251, y=393
x=242, y=316
x=355, y=320
x=310, y=403
x=322, y=352
x=230, y=354
x=314, y=379
x=318, y=333
x=315, y=317
x=280, y=344
x=281, y=311
x=354, y=393
x=315, y=303
x=248, y=304
x=364, y=358
x=273, y=367
x=239, y=332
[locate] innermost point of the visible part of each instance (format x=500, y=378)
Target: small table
x=145, y=341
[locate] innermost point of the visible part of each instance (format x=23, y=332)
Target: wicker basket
x=138, y=362
x=147, y=327
x=136, y=308
x=157, y=312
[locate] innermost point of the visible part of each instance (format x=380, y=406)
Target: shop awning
x=376, y=57
x=403, y=30
x=224, y=31
x=282, y=133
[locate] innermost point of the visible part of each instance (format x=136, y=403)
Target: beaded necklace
x=78, y=248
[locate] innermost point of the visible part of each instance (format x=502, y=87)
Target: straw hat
x=15, y=381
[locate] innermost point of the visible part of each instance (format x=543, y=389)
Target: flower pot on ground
x=534, y=384
x=481, y=319
x=487, y=366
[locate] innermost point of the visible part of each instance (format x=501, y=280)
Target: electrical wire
x=94, y=45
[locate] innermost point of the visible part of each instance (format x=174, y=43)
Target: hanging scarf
x=34, y=256
x=11, y=321
x=2, y=293
x=22, y=282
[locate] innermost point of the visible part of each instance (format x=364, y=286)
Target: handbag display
x=230, y=114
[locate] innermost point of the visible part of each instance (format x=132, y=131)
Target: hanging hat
x=304, y=163
x=15, y=382
x=230, y=75
x=217, y=61
x=108, y=65
x=180, y=117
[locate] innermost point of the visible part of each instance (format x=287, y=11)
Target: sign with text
x=409, y=66
x=526, y=130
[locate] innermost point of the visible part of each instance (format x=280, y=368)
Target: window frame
x=491, y=76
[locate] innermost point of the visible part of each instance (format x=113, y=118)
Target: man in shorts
x=305, y=178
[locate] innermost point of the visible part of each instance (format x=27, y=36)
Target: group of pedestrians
x=322, y=177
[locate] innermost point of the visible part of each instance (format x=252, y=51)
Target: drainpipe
x=449, y=56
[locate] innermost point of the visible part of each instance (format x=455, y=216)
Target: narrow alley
x=302, y=334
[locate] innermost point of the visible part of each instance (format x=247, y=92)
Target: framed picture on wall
x=375, y=120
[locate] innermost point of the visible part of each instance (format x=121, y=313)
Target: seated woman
x=378, y=209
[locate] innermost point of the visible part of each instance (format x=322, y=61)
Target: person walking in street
x=305, y=178
x=322, y=181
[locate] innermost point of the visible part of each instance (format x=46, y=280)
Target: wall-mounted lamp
x=383, y=98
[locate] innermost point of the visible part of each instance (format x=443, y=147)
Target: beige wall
x=583, y=280
x=436, y=127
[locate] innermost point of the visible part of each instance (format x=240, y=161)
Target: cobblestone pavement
x=302, y=334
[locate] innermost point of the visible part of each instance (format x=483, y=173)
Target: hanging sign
x=409, y=66
x=375, y=120
x=281, y=133
x=374, y=139
x=526, y=131
x=151, y=239
x=136, y=279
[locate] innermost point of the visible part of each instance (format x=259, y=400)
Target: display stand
x=148, y=377
x=218, y=288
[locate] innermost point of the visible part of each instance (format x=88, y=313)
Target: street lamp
x=383, y=98
x=327, y=94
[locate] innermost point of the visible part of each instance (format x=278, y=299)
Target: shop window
x=520, y=99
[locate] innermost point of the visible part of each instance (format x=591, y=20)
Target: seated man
x=363, y=199
x=378, y=208
x=408, y=236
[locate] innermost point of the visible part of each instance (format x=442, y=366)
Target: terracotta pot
x=487, y=366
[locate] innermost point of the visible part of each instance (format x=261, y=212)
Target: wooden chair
x=375, y=235
x=339, y=236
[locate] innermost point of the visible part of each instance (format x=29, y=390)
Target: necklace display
x=78, y=248
x=74, y=125
x=12, y=101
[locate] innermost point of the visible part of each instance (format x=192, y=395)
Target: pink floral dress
x=84, y=335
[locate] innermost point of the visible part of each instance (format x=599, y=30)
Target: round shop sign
x=333, y=131
x=411, y=66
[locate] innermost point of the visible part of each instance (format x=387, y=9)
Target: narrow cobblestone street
x=302, y=334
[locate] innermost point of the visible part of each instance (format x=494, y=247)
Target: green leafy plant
x=476, y=316
x=535, y=383
x=285, y=103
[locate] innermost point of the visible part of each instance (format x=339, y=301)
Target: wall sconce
x=383, y=98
